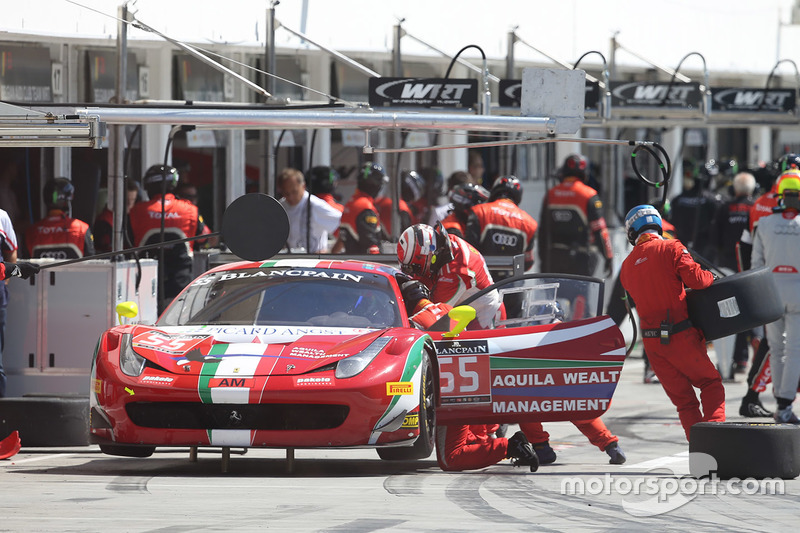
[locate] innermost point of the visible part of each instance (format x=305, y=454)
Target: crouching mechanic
x=463, y=447
x=654, y=274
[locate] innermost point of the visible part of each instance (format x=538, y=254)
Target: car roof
x=351, y=265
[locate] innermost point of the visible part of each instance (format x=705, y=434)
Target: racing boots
x=786, y=416
x=521, y=452
x=615, y=452
x=544, y=452
x=754, y=409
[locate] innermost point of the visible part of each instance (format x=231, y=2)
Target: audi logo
x=504, y=240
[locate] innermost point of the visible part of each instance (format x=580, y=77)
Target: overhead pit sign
x=656, y=94
x=423, y=92
x=511, y=94
x=753, y=100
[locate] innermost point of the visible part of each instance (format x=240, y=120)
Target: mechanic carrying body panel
x=573, y=226
x=59, y=236
x=776, y=245
x=360, y=227
x=654, y=274
x=448, y=264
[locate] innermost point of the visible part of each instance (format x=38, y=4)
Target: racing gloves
x=21, y=270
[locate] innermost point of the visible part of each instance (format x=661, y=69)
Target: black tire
x=127, y=451
x=747, y=449
x=423, y=446
x=749, y=299
x=46, y=420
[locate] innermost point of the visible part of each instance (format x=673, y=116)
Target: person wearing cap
x=180, y=220
x=655, y=274
x=775, y=246
x=58, y=235
x=360, y=227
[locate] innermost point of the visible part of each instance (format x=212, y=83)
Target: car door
x=554, y=357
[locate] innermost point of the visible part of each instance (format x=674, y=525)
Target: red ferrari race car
x=298, y=353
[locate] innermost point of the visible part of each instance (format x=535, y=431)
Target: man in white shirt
x=311, y=219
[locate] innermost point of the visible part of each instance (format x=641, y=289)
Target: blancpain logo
x=461, y=347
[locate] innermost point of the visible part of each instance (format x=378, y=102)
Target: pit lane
x=80, y=489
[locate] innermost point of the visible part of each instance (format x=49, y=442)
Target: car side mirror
x=127, y=310
x=462, y=316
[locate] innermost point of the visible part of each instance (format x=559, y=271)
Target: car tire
x=127, y=451
x=423, y=446
x=746, y=449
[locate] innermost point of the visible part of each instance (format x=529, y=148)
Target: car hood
x=263, y=350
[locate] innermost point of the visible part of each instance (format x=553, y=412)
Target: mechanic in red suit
x=384, y=205
x=59, y=236
x=572, y=224
x=463, y=197
x=360, y=228
x=322, y=181
x=181, y=220
x=103, y=230
x=654, y=274
x=500, y=227
x=463, y=447
x=595, y=430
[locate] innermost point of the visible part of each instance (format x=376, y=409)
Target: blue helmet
x=640, y=218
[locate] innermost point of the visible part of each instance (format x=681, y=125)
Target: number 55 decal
x=464, y=378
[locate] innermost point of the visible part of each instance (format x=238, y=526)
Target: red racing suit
x=654, y=274
x=595, y=430
x=454, y=225
x=462, y=277
x=384, y=205
x=59, y=237
x=181, y=220
x=360, y=228
x=572, y=229
x=328, y=197
x=502, y=228
x=103, y=231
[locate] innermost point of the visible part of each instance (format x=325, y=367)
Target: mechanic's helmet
x=466, y=195
x=160, y=178
x=322, y=179
x=372, y=178
x=434, y=184
x=423, y=250
x=416, y=247
x=58, y=193
x=412, y=186
x=574, y=165
x=506, y=187
x=789, y=189
x=728, y=168
x=640, y=218
x=788, y=162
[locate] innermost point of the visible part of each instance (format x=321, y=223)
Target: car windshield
x=289, y=296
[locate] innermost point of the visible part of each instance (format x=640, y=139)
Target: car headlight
x=353, y=365
x=130, y=362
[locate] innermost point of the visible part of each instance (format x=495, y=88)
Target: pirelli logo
x=399, y=388
x=411, y=421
